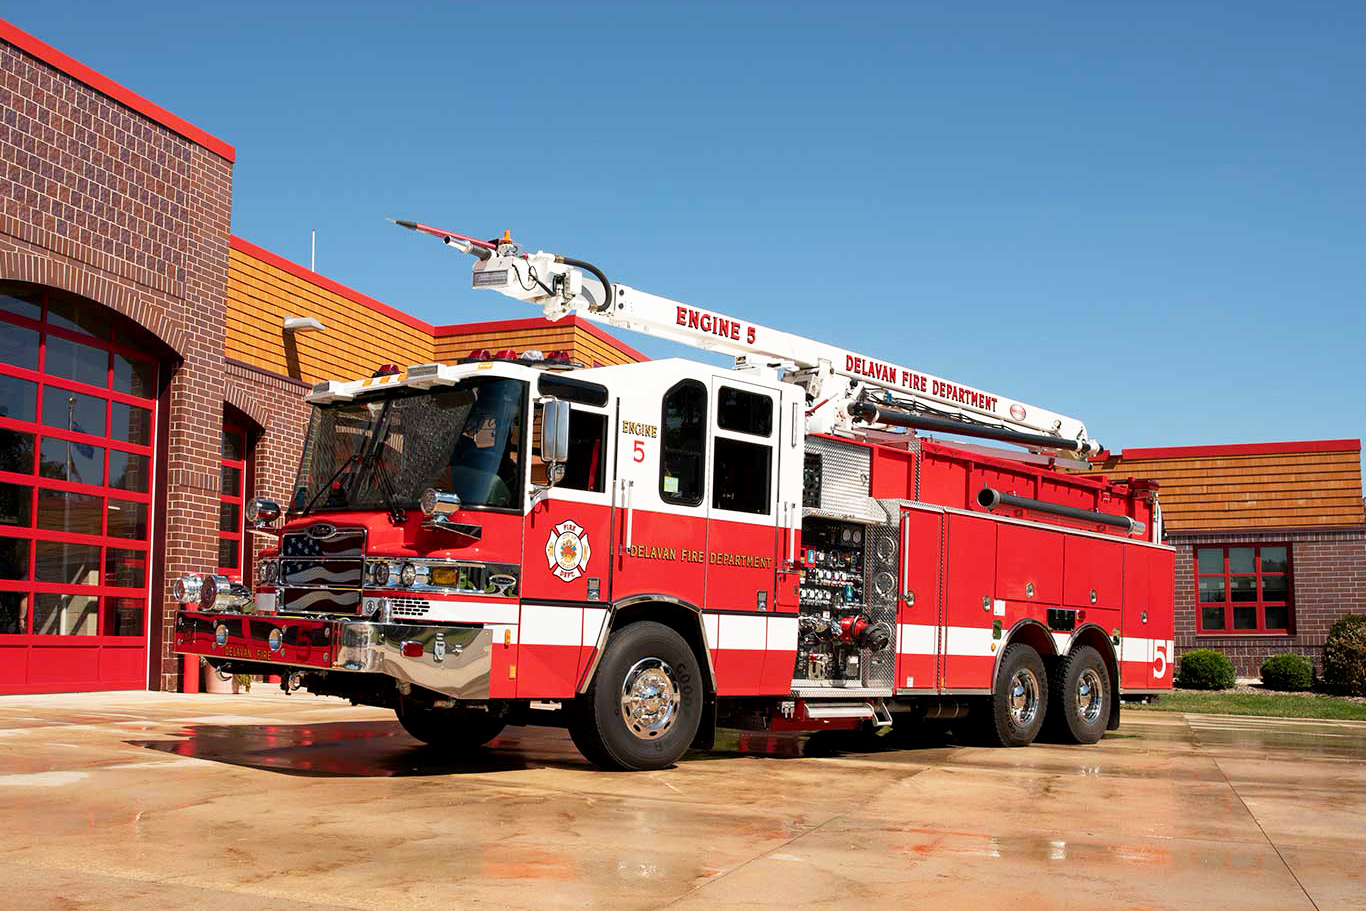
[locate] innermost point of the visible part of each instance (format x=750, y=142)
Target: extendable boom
x=834, y=378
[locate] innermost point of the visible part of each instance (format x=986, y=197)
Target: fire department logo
x=567, y=551
x=1017, y=411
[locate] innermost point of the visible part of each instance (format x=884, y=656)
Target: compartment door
x=1161, y=592
x=919, y=622
x=969, y=606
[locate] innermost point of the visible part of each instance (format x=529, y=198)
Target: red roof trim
x=1242, y=449
x=327, y=284
x=84, y=74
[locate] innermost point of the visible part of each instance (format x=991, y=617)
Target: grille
x=322, y=569
x=409, y=607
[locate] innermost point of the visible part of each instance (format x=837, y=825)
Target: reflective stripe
x=741, y=632
x=917, y=639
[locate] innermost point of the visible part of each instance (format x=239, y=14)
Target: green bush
x=1344, y=655
x=1288, y=673
x=1204, y=669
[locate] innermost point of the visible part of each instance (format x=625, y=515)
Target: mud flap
x=706, y=729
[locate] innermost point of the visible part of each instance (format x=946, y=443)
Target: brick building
x=1270, y=542
x=148, y=386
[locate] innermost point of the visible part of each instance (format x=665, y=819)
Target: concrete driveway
x=148, y=800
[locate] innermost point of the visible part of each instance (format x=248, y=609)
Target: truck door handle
x=626, y=491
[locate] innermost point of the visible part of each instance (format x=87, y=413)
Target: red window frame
x=234, y=498
x=108, y=598
x=1259, y=605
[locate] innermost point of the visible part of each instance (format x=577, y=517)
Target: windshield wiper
x=328, y=485
x=371, y=459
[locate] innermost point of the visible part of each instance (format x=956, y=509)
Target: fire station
x=154, y=369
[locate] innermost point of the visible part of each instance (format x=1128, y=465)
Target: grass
x=1275, y=705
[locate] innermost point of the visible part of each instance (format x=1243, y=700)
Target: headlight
x=408, y=574
x=186, y=589
x=208, y=592
x=379, y=573
x=267, y=571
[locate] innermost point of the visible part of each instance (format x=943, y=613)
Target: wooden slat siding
x=581, y=345
x=356, y=341
x=1264, y=490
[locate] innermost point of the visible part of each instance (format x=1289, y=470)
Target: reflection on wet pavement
x=142, y=800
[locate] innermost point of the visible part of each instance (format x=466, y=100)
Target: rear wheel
x=1081, y=697
x=447, y=729
x=1019, y=700
x=644, y=705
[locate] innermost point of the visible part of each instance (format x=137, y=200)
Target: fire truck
x=645, y=552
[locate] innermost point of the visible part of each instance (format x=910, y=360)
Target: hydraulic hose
x=606, y=305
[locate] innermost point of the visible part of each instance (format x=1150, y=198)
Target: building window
x=1243, y=590
x=231, y=530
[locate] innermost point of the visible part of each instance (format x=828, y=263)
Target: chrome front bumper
x=455, y=661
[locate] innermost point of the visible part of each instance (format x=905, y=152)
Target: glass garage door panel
x=77, y=419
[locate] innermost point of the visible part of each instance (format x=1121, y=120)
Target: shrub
x=1290, y=673
x=1204, y=669
x=1344, y=655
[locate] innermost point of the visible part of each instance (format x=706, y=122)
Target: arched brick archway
x=66, y=276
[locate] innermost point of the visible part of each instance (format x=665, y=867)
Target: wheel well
x=687, y=622
x=681, y=618
x=1095, y=637
x=1035, y=636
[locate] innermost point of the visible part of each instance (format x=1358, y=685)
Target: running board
x=875, y=712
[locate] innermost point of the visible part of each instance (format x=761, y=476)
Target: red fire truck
x=644, y=552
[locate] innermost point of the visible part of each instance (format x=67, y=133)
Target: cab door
x=743, y=541
x=566, y=580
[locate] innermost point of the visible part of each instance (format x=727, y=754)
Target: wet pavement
x=153, y=801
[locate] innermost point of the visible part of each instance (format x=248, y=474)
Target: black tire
x=1080, y=707
x=447, y=729
x=657, y=663
x=1016, y=712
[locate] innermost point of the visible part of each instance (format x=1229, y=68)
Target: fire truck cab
x=642, y=553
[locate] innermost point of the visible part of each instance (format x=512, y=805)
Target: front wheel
x=1019, y=699
x=447, y=729
x=644, y=706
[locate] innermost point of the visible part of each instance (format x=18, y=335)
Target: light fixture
x=303, y=324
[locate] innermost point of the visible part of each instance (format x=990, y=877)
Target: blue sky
x=1149, y=216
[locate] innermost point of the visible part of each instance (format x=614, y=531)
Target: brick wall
x=1328, y=580
x=101, y=200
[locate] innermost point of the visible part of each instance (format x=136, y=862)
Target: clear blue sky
x=1150, y=216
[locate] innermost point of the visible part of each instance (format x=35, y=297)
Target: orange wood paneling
x=1267, y=490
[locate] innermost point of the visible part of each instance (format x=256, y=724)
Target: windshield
x=464, y=439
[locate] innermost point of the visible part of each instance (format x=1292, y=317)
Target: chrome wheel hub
x=1090, y=696
x=1023, y=698
x=650, y=698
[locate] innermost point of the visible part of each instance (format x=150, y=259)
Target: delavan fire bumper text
x=453, y=661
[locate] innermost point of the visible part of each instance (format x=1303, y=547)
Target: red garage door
x=77, y=417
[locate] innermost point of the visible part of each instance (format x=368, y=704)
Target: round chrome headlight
x=266, y=570
x=407, y=575
x=379, y=573
x=186, y=588
x=208, y=591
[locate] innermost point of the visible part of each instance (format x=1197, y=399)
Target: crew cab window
x=586, y=468
x=744, y=475
x=683, y=460
x=744, y=412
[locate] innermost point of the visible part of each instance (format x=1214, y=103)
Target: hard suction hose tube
x=875, y=414
x=991, y=500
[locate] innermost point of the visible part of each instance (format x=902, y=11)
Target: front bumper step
x=455, y=661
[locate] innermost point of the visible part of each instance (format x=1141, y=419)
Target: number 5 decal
x=1161, y=650
x=638, y=451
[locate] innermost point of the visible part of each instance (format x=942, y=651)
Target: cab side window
x=744, y=469
x=683, y=459
x=586, y=468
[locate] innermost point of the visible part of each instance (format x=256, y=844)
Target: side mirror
x=554, y=432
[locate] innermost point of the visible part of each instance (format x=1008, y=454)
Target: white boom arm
x=833, y=377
